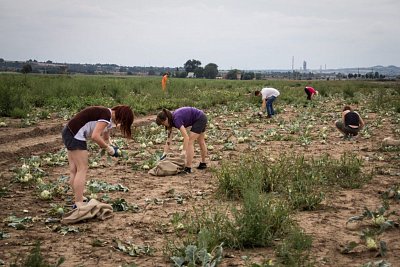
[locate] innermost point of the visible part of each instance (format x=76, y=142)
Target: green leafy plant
x=96, y=186
x=392, y=193
x=133, y=250
x=18, y=223
x=378, y=218
x=295, y=249
x=3, y=235
x=36, y=259
x=195, y=256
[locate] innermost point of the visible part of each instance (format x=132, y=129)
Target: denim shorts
x=199, y=126
x=70, y=142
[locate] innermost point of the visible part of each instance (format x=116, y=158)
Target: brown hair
x=124, y=116
x=347, y=107
x=257, y=93
x=162, y=116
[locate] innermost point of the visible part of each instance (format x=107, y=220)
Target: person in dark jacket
x=351, y=122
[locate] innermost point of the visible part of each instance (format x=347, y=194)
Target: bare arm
x=99, y=136
x=263, y=105
x=185, y=139
x=106, y=137
x=168, y=143
x=362, y=124
x=344, y=114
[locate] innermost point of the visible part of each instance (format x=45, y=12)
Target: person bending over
x=93, y=122
x=310, y=92
x=268, y=96
x=181, y=119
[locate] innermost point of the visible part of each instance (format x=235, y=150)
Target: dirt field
x=156, y=196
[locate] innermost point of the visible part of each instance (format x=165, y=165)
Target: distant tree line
x=192, y=68
x=369, y=75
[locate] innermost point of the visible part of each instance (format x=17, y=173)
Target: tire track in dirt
x=42, y=138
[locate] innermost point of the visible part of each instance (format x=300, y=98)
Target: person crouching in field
x=351, y=122
x=310, y=92
x=181, y=119
x=92, y=122
x=268, y=96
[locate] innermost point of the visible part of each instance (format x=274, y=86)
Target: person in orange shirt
x=164, y=81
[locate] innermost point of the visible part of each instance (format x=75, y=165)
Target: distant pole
x=292, y=63
x=293, y=66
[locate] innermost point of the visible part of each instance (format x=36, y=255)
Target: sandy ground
x=156, y=196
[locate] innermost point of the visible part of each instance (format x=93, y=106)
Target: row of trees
x=369, y=75
x=210, y=71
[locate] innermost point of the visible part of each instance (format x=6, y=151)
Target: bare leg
x=72, y=170
x=190, y=149
x=80, y=160
x=203, y=147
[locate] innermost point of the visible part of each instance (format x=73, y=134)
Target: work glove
x=114, y=151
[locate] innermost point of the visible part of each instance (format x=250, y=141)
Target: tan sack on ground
x=93, y=209
x=389, y=141
x=169, y=166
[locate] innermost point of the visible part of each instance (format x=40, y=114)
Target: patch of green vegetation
x=302, y=183
x=295, y=249
x=23, y=94
x=36, y=259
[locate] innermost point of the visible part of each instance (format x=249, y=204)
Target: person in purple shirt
x=181, y=119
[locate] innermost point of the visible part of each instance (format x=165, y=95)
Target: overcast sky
x=241, y=34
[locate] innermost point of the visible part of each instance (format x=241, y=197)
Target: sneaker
x=187, y=170
x=202, y=166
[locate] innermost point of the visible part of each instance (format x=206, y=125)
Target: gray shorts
x=346, y=129
x=199, y=126
x=70, y=142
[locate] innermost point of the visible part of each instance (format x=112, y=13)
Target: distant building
x=191, y=75
x=239, y=75
x=304, y=66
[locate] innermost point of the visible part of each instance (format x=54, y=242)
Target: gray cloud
x=250, y=34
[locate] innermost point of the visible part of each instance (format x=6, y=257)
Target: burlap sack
x=389, y=141
x=169, y=166
x=93, y=209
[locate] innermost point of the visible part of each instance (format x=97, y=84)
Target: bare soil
x=327, y=225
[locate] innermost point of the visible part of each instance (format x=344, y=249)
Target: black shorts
x=347, y=129
x=70, y=142
x=308, y=93
x=199, y=126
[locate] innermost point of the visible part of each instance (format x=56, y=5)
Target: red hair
x=124, y=117
x=347, y=107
